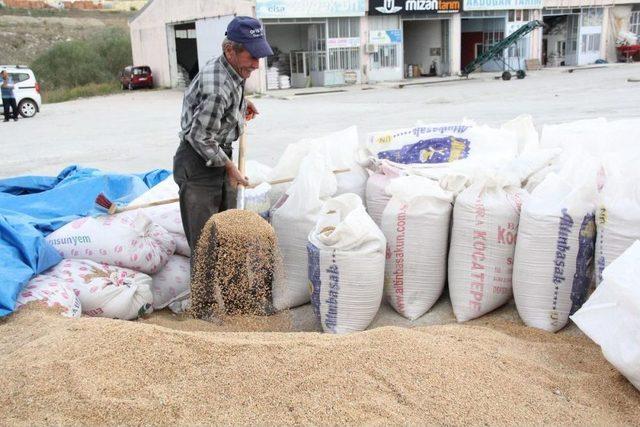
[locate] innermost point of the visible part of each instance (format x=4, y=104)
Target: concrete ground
x=137, y=131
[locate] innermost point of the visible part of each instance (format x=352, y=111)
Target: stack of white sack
x=340, y=148
x=611, y=316
x=618, y=211
x=106, y=291
x=415, y=224
x=346, y=254
x=133, y=242
x=52, y=292
x=483, y=242
x=450, y=153
x=293, y=218
x=555, y=247
x=167, y=216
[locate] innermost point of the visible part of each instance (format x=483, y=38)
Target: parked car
x=136, y=77
x=26, y=89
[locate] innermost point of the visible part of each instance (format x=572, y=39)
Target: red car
x=136, y=77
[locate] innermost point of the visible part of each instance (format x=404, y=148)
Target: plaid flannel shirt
x=213, y=111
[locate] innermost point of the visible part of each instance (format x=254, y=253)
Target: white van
x=26, y=89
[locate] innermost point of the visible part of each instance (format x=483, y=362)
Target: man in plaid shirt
x=213, y=115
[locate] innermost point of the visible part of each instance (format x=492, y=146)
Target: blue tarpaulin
x=31, y=207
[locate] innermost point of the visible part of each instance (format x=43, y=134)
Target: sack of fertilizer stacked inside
x=611, y=316
x=346, y=252
x=339, y=148
x=483, y=239
x=415, y=224
x=172, y=282
x=53, y=292
x=104, y=290
x=132, y=242
x=553, y=262
x=618, y=213
x=293, y=218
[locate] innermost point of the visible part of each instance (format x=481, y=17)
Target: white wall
x=419, y=38
x=455, y=44
x=149, y=37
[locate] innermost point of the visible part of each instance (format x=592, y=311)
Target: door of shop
x=426, y=45
x=480, y=31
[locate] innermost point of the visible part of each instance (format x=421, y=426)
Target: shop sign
x=343, y=42
x=385, y=36
x=413, y=7
x=470, y=5
x=309, y=8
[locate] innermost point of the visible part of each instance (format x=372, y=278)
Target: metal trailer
x=496, y=52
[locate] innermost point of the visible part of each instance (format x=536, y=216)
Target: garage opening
x=478, y=35
x=560, y=40
x=186, y=52
x=426, y=47
x=289, y=64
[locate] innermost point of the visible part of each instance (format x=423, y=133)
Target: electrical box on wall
x=371, y=48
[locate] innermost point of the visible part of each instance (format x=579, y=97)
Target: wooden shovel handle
x=285, y=180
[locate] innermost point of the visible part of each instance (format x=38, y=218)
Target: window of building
x=344, y=58
x=590, y=43
x=344, y=27
x=386, y=56
x=519, y=15
x=592, y=17
x=634, y=22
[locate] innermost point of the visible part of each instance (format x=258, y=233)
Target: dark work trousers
x=10, y=103
x=204, y=190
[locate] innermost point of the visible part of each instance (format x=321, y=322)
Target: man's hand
x=252, y=111
x=235, y=177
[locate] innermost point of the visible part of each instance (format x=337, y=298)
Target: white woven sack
x=257, y=200
x=346, y=266
x=135, y=243
x=167, y=216
x=106, y=291
x=292, y=219
x=376, y=191
x=611, y=316
x=618, y=217
x=172, y=282
x=415, y=224
x=182, y=244
x=553, y=262
x=50, y=291
x=483, y=241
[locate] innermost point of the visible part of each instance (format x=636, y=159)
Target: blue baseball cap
x=250, y=32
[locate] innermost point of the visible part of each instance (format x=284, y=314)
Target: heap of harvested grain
x=96, y=371
x=233, y=266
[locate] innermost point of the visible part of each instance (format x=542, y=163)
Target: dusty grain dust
x=233, y=266
x=102, y=371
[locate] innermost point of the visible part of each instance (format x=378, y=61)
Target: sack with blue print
x=346, y=260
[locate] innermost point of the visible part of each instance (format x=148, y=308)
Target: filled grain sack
x=182, y=244
x=340, y=150
x=104, y=290
x=553, y=262
x=172, y=282
x=167, y=216
x=483, y=241
x=131, y=242
x=415, y=224
x=376, y=189
x=293, y=218
x=617, y=215
x=611, y=316
x=346, y=258
x=51, y=291
x=444, y=143
x=257, y=200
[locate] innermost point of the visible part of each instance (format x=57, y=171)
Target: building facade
x=176, y=39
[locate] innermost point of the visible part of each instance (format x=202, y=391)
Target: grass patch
x=84, y=91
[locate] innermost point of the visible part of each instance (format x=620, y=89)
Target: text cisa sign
x=413, y=7
x=309, y=8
